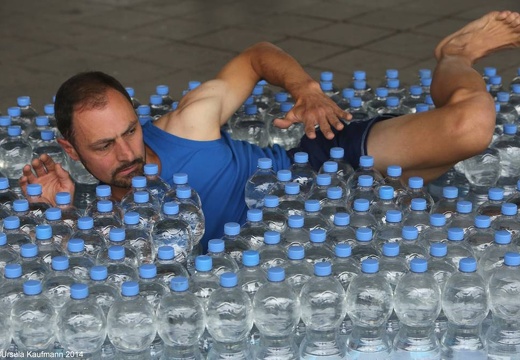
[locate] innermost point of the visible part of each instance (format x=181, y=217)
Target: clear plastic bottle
x=48, y=145
x=16, y=237
x=356, y=108
x=131, y=323
x=295, y=234
x=157, y=108
x=254, y=229
x=508, y=147
x=481, y=235
x=106, y=218
x=28, y=221
x=493, y=256
x=393, y=179
x=27, y=111
x=415, y=190
x=319, y=188
x=464, y=217
x=272, y=253
x=417, y=303
x=331, y=168
x=363, y=190
x=346, y=95
x=465, y=301
x=364, y=247
x=34, y=135
x=273, y=216
x=139, y=238
x=79, y=262
x=426, y=84
x=117, y=237
x=395, y=89
x=142, y=205
x=139, y=184
x=447, y=205
x=493, y=206
x=81, y=325
x=313, y=217
x=495, y=82
x=368, y=338
x=361, y=217
x=482, y=172
x=508, y=220
x=379, y=101
x=514, y=98
x=393, y=106
x=234, y=244
x=251, y=127
x=222, y=261
x=418, y=215
x=260, y=183
x=5, y=122
x=229, y=320
x=47, y=247
x=334, y=203
x=17, y=119
x=7, y=195
x=167, y=266
x=437, y=232
x=457, y=247
x=383, y=203
x=317, y=250
x=323, y=307
x=15, y=153
x=337, y=155
x=144, y=113
x=103, y=192
x=119, y=269
x=391, y=230
x=302, y=172
x=507, y=109
x=56, y=284
x=283, y=177
x=341, y=231
x=366, y=167
x=94, y=240
x=131, y=92
x=157, y=186
x=36, y=332
x=251, y=275
x=287, y=138
x=181, y=320
x=276, y=312
x=69, y=213
x=150, y=287
x=7, y=255
x=292, y=201
x=12, y=287
x=33, y=267
x=415, y=96
x=164, y=92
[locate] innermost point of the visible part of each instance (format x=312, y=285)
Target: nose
x=124, y=151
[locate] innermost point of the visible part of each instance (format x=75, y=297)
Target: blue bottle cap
x=334, y=193
x=276, y=274
x=326, y=85
x=415, y=182
x=265, y=163
x=13, y=271
x=381, y=92
x=20, y=205
x=330, y=166
x=438, y=249
x=286, y=106
x=418, y=204
x=5, y=121
x=103, y=191
x=394, y=171
x=415, y=90
x=341, y=219
x=295, y=221
x=301, y=157
x=41, y=120
x=271, y=237
x=98, y=273
x=4, y=183
x=392, y=83
x=410, y=233
x=155, y=99
x=3, y=239
x=258, y=89
x=52, y=214
x=139, y=182
x=63, y=198
x=14, y=111
x=366, y=161
x=322, y=268
x=450, y=192
x=510, y=129
x=147, y=271
x=23, y=101
x=75, y=245
x=130, y=91
x=392, y=73
x=326, y=76
x=425, y=73
x=392, y=101
x=141, y=197
x=11, y=222
x=231, y=228
x=170, y=208
x=85, y=223
x=151, y=169
x=512, y=259
x=418, y=265
x=130, y=288
x=228, y=280
x=386, y=192
x=343, y=250
x=79, y=291
x=515, y=88
x=250, y=258
x=502, y=237
x=32, y=287
x=337, y=153
x=496, y=194
x=284, y=175
x=364, y=234
x=296, y=252
x=391, y=249
x=455, y=234
x=482, y=221
x=429, y=100
x=359, y=75
x=203, y=263
x=43, y=232
x=254, y=215
x=216, y=245
x=361, y=205
x=193, y=84
x=47, y=135
x=179, y=284
x=116, y=252
x=359, y=84
x=365, y=180
x=180, y=178
x=60, y=263
x=393, y=216
x=419, y=108
x=503, y=96
x=323, y=179
x=312, y=205
x=370, y=266
x=144, y=110
x=467, y=265
x=318, y=235
x=28, y=250
x=271, y=201
x=48, y=109
x=104, y=206
x=437, y=219
x=117, y=234
x=495, y=80
x=131, y=218
x=464, y=207
x=427, y=81
x=348, y=93
x=509, y=209
x=292, y=188
x=490, y=71
x=183, y=192
x=162, y=90
x=281, y=96
x=165, y=252
x=250, y=100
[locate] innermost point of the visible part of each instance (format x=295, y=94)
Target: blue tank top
x=218, y=170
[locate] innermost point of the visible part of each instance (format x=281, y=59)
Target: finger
x=28, y=174
x=38, y=167
x=325, y=126
x=62, y=174
x=335, y=122
x=282, y=123
x=310, y=129
x=48, y=162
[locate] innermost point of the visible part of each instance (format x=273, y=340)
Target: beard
x=126, y=180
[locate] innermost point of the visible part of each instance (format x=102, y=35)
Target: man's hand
x=52, y=177
x=315, y=109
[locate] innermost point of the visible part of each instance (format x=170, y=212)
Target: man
x=100, y=127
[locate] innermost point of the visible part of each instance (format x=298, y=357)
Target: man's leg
x=428, y=144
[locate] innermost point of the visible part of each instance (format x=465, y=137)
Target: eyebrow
x=108, y=140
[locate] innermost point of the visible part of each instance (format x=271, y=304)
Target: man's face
x=109, y=141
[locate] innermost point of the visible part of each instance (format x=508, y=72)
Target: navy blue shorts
x=353, y=138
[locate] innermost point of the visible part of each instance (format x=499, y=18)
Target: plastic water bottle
x=276, y=311
x=302, y=172
x=16, y=237
x=229, y=320
x=7, y=195
x=292, y=201
x=426, y=83
x=37, y=205
x=332, y=168
x=415, y=96
x=135, y=102
x=323, y=307
x=417, y=304
x=464, y=217
x=364, y=247
x=379, y=101
x=254, y=229
x=493, y=256
x=317, y=250
x=143, y=206
x=447, y=205
x=368, y=339
x=118, y=267
x=295, y=234
x=56, y=284
x=191, y=212
x=18, y=120
x=334, y=203
x=346, y=95
x=391, y=230
x=313, y=217
x=93, y=239
x=395, y=88
x=15, y=153
x=482, y=172
x=273, y=216
x=150, y=288
x=157, y=186
x=514, y=198
x=465, y=301
x=393, y=106
x=415, y=191
x=48, y=145
x=139, y=183
x=356, y=108
x=27, y=111
x=337, y=155
x=514, y=98
x=167, y=266
x=234, y=244
x=34, y=135
x=106, y=218
x=36, y=332
x=481, y=235
x=410, y=247
x=366, y=167
x=222, y=262
x=496, y=85
x=144, y=114
x=272, y=253
x=4, y=212
x=383, y=203
x=157, y=108
x=79, y=262
x=418, y=215
x=117, y=237
x=361, y=217
x=457, y=248
x=319, y=188
x=508, y=220
x=139, y=238
x=251, y=127
x=12, y=287
x=287, y=138
x=69, y=213
x=131, y=323
x=251, y=275
x=283, y=177
x=104, y=192
x=488, y=71
x=5, y=122
x=508, y=147
x=81, y=325
x=437, y=232
x=393, y=179
x=503, y=337
x=363, y=190
x=341, y=231
x=181, y=320
x=493, y=206
x=33, y=267
x=507, y=109
x=7, y=255
x=47, y=247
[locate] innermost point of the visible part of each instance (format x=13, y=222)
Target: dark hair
x=83, y=91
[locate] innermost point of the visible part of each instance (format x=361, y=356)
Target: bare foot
x=492, y=32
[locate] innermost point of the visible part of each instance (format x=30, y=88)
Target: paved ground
x=149, y=42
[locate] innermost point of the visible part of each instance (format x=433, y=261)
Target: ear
x=69, y=149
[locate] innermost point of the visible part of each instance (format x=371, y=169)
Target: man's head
x=100, y=128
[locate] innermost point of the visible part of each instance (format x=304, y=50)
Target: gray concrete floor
x=149, y=42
